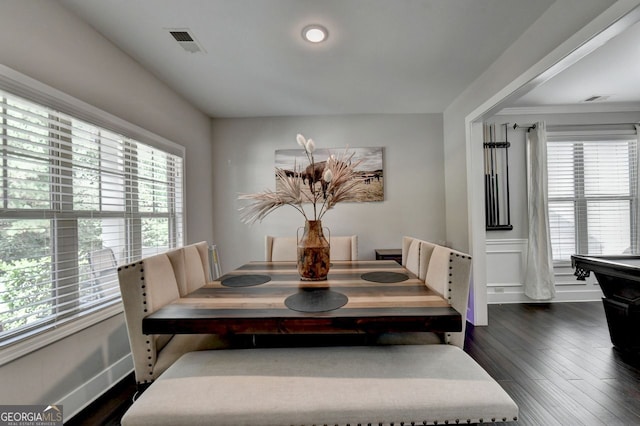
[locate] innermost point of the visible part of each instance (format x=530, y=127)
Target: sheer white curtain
x=539, y=281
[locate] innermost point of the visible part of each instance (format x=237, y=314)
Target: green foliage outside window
x=25, y=275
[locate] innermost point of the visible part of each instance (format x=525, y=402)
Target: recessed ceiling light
x=315, y=33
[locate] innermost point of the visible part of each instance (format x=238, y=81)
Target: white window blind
x=593, y=192
x=76, y=201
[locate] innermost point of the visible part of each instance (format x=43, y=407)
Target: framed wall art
x=370, y=173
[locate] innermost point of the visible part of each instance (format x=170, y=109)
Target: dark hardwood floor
x=557, y=363
x=555, y=360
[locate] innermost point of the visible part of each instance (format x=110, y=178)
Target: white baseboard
x=561, y=296
x=93, y=388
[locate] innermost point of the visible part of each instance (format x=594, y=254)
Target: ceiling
x=382, y=56
x=611, y=73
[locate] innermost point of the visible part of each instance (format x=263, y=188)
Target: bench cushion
x=323, y=385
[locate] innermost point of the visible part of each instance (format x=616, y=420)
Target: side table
x=389, y=254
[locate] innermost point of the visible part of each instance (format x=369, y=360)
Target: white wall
x=243, y=162
x=41, y=39
x=559, y=31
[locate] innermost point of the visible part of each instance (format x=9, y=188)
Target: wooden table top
x=368, y=306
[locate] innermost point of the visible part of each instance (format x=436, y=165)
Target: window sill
x=58, y=332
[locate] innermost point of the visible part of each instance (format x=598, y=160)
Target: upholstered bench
x=410, y=384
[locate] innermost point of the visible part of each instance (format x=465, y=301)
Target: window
x=593, y=193
x=76, y=199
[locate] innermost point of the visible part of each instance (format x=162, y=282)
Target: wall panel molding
x=506, y=261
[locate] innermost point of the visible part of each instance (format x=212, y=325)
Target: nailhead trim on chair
x=143, y=287
x=433, y=422
x=450, y=275
x=450, y=295
x=143, y=291
x=449, y=289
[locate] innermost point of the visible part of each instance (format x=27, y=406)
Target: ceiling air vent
x=596, y=98
x=186, y=40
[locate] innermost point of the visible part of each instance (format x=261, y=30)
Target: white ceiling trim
x=570, y=109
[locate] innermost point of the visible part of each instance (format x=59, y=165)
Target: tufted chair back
x=449, y=275
x=411, y=254
x=191, y=266
x=344, y=248
x=279, y=249
x=146, y=286
x=445, y=271
x=426, y=251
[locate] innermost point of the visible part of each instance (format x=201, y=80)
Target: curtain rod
x=600, y=125
x=560, y=126
x=524, y=126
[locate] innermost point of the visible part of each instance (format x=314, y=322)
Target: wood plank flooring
x=555, y=360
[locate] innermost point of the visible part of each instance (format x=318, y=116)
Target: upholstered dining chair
x=279, y=249
x=448, y=273
x=411, y=254
x=146, y=286
x=102, y=263
x=190, y=266
x=426, y=250
x=344, y=247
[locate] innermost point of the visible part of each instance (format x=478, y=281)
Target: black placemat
x=316, y=300
x=384, y=277
x=245, y=280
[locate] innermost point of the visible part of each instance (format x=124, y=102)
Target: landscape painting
x=370, y=170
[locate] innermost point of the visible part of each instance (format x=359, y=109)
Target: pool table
x=619, y=279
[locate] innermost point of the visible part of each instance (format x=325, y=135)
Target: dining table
x=361, y=296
